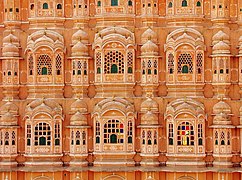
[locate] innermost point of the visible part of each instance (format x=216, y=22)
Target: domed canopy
x=149, y=34
x=149, y=118
x=79, y=49
x=149, y=49
x=222, y=111
x=9, y=107
x=78, y=119
x=79, y=105
x=8, y=119
x=221, y=106
x=11, y=39
x=220, y=36
x=78, y=36
x=221, y=48
x=10, y=50
x=149, y=105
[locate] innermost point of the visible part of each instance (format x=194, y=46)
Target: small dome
x=10, y=39
x=149, y=118
x=8, y=120
x=78, y=36
x=78, y=119
x=10, y=50
x=9, y=107
x=149, y=105
x=79, y=105
x=149, y=34
x=149, y=48
x=220, y=107
x=220, y=36
x=221, y=48
x=79, y=49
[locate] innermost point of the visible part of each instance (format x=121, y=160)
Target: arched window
x=130, y=3
x=170, y=5
x=185, y=69
x=44, y=71
x=130, y=70
x=32, y=6
x=42, y=141
x=184, y=3
x=98, y=70
x=113, y=132
x=45, y=6
x=113, y=138
x=114, y=68
x=114, y=2
x=198, y=4
x=185, y=134
x=59, y=6
x=99, y=3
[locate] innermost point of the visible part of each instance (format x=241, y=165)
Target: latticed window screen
x=143, y=137
x=83, y=137
x=15, y=69
x=149, y=66
x=58, y=64
x=1, y=138
x=199, y=62
x=143, y=67
x=113, y=132
x=113, y=58
x=78, y=138
x=228, y=138
x=170, y=134
x=155, y=66
x=216, y=137
x=72, y=137
x=130, y=132
x=200, y=134
x=42, y=134
x=171, y=63
x=28, y=135
x=155, y=137
x=44, y=61
x=98, y=133
x=57, y=134
x=130, y=62
x=6, y=138
x=222, y=138
x=185, y=59
x=149, y=137
x=185, y=134
x=13, y=138
x=98, y=62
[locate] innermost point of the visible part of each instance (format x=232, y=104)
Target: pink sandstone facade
x=121, y=89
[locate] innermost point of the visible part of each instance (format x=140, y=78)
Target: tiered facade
x=121, y=89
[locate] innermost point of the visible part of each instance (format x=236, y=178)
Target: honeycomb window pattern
x=44, y=61
x=185, y=59
x=113, y=58
x=130, y=60
x=199, y=62
x=58, y=64
x=170, y=63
